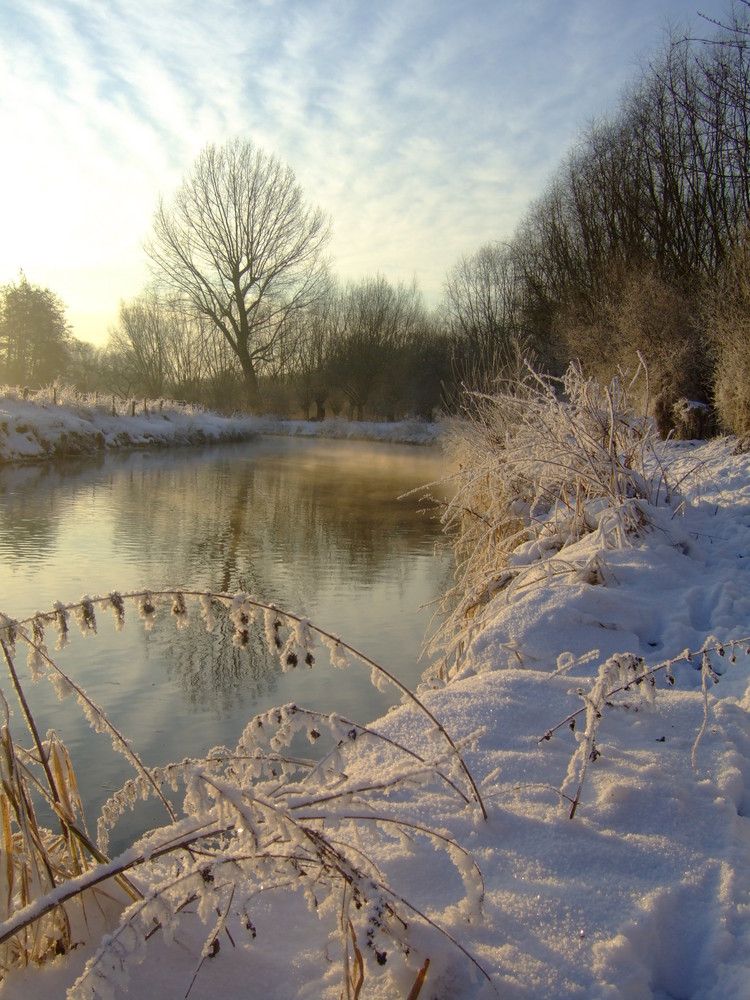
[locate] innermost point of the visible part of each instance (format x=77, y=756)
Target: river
x=313, y=526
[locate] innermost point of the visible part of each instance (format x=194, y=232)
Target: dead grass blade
x=419, y=981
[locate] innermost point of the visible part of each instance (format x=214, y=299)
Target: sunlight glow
x=424, y=130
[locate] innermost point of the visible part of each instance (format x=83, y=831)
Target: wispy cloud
x=424, y=128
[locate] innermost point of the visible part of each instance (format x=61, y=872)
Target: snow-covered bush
x=539, y=465
x=258, y=820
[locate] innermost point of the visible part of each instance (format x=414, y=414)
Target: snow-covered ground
x=645, y=893
x=38, y=428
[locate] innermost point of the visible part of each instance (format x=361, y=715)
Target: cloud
x=423, y=128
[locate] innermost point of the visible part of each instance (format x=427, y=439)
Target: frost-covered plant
x=541, y=463
x=59, y=393
x=256, y=819
x=621, y=678
x=36, y=860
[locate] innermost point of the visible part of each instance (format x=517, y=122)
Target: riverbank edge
x=32, y=431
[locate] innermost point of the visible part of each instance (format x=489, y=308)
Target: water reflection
x=211, y=517
x=299, y=507
x=314, y=527
x=211, y=671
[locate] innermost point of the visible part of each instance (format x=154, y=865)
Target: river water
x=315, y=527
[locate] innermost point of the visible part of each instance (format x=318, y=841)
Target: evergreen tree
x=34, y=334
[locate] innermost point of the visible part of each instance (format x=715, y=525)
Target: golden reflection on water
x=313, y=526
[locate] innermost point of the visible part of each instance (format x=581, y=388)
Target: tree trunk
x=253, y=400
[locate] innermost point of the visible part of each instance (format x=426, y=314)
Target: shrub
x=537, y=471
x=728, y=310
x=642, y=316
x=622, y=678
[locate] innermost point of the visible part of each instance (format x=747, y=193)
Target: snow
x=41, y=427
x=645, y=893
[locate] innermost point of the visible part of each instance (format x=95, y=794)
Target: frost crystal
x=273, y=624
x=118, y=609
x=339, y=657
x=147, y=610
x=36, y=660
x=207, y=612
x=85, y=616
x=61, y=620
x=8, y=632
x=180, y=611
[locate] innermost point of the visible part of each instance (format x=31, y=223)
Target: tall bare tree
x=240, y=243
x=376, y=319
x=482, y=306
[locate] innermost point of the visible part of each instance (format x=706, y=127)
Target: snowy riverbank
x=645, y=893
x=39, y=428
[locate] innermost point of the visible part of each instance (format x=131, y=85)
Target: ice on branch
x=147, y=610
x=85, y=616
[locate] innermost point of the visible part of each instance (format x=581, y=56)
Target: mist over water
x=315, y=527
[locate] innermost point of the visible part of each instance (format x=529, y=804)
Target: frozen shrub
x=538, y=469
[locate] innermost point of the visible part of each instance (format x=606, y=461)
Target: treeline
x=643, y=229
x=368, y=349
x=636, y=250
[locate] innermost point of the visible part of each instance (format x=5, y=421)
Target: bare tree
x=375, y=321
x=140, y=342
x=483, y=310
x=312, y=372
x=240, y=244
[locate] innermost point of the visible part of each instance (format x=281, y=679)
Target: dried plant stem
x=419, y=981
x=640, y=678
x=32, y=725
x=261, y=606
x=183, y=833
x=685, y=657
x=119, y=740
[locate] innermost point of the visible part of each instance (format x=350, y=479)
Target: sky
x=422, y=127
